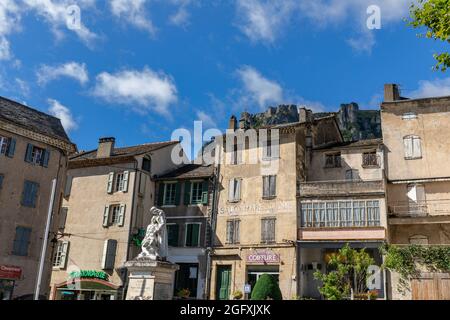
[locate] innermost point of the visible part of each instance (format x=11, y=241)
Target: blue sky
x=139, y=69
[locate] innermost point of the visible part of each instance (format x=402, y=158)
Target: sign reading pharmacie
x=10, y=272
x=89, y=274
x=264, y=256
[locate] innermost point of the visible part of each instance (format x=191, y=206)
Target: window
x=109, y=254
x=351, y=175
x=269, y=186
x=169, y=193
x=196, y=192
x=234, y=191
x=7, y=146
x=233, y=231
x=267, y=149
x=416, y=199
x=332, y=214
x=172, y=234
x=29, y=194
x=333, y=160
x=37, y=156
x=114, y=215
x=413, y=148
x=146, y=164
x=192, y=234
x=118, y=182
x=369, y=159
x=268, y=230
x=21, y=241
x=60, y=256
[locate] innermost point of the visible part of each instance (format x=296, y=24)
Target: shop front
x=87, y=285
x=8, y=277
x=314, y=256
x=238, y=273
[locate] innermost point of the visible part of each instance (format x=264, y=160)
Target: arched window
x=413, y=147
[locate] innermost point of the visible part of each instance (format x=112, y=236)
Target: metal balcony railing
x=419, y=208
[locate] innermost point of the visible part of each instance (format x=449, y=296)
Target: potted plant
x=184, y=293
x=237, y=295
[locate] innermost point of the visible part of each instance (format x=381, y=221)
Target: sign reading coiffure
x=10, y=272
x=263, y=257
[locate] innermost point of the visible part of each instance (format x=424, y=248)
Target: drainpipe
x=214, y=209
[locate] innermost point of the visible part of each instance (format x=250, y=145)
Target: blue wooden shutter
x=45, y=158
x=26, y=194
x=11, y=148
x=34, y=193
x=29, y=153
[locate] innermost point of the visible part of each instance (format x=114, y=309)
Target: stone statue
x=154, y=244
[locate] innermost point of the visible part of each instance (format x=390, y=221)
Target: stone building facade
x=106, y=207
x=34, y=149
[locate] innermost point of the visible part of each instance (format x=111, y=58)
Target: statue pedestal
x=150, y=280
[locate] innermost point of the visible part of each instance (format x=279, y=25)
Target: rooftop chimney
x=233, y=123
x=391, y=92
x=305, y=115
x=105, y=147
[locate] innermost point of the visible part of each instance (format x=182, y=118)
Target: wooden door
x=431, y=286
x=223, y=286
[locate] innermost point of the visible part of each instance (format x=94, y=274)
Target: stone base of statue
x=150, y=279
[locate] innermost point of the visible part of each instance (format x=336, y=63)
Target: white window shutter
x=104, y=256
x=64, y=251
x=417, y=149
x=110, y=182
x=126, y=174
x=121, y=215
x=408, y=147
x=106, y=216
x=236, y=231
x=231, y=190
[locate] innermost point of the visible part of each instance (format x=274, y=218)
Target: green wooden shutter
x=29, y=153
x=193, y=235
x=205, y=186
x=173, y=232
x=11, y=148
x=161, y=194
x=187, y=192
x=177, y=193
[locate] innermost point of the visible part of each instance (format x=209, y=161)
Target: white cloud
x=182, y=15
x=63, y=113
x=5, y=51
x=55, y=14
x=74, y=70
x=133, y=12
x=258, y=88
x=262, y=20
x=148, y=89
x=9, y=22
x=434, y=88
x=206, y=119
x=265, y=21
x=22, y=87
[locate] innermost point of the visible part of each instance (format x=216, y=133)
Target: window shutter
x=172, y=231
x=63, y=218
x=272, y=229
x=121, y=215
x=230, y=229
x=46, y=158
x=68, y=186
x=187, y=192
x=417, y=149
x=1, y=181
x=265, y=186
x=231, y=186
x=11, y=148
x=236, y=231
x=177, y=193
x=205, y=186
x=25, y=193
x=109, y=254
x=64, y=251
x=161, y=194
x=109, y=187
x=34, y=193
x=273, y=186
x=125, y=180
x=237, y=195
x=408, y=147
x=263, y=230
x=29, y=153
x=195, y=235
x=106, y=216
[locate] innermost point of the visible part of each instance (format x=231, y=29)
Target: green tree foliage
x=266, y=288
x=434, y=16
x=348, y=271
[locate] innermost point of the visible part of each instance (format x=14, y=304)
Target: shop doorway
x=187, y=278
x=223, y=279
x=255, y=272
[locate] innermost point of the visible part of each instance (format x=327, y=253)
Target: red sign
x=10, y=272
x=263, y=257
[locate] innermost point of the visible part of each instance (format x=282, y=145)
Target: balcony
x=340, y=188
x=430, y=211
